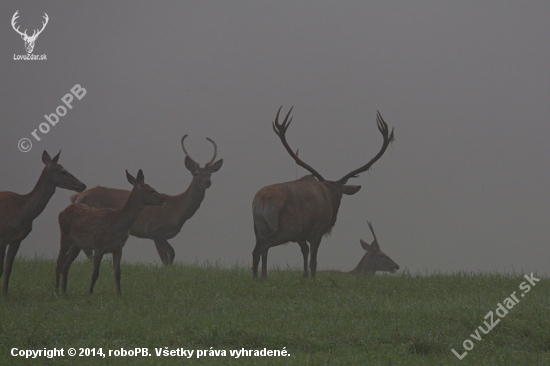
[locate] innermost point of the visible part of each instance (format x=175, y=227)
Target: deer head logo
x=29, y=40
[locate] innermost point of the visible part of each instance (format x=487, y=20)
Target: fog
x=464, y=84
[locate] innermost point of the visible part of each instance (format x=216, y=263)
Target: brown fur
x=301, y=211
x=158, y=223
x=17, y=211
x=103, y=230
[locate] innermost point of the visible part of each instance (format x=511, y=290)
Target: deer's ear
x=131, y=179
x=216, y=166
x=350, y=190
x=56, y=158
x=365, y=245
x=140, y=177
x=46, y=157
x=191, y=164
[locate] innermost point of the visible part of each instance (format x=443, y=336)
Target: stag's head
x=29, y=40
x=202, y=175
x=147, y=194
x=374, y=259
x=340, y=185
x=59, y=176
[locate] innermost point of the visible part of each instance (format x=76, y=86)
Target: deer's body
x=102, y=230
x=303, y=210
x=159, y=223
x=17, y=212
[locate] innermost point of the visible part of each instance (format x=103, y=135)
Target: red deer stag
x=302, y=210
x=374, y=259
x=102, y=229
x=160, y=223
x=17, y=212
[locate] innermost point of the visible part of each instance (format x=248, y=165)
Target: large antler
x=280, y=130
x=43, y=26
x=35, y=34
x=13, y=19
x=189, y=156
x=388, y=138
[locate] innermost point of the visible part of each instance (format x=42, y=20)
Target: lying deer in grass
x=165, y=222
x=305, y=209
x=374, y=259
x=102, y=230
x=17, y=211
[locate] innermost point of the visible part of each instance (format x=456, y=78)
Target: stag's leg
x=313, y=261
x=74, y=251
x=117, y=255
x=264, y=262
x=12, y=251
x=256, y=254
x=165, y=251
x=98, y=255
x=305, y=252
x=2, y=256
x=61, y=258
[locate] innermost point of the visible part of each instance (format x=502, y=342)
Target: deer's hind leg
x=74, y=251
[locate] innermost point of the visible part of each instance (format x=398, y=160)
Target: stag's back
x=295, y=210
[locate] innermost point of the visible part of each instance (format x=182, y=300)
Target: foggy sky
x=464, y=84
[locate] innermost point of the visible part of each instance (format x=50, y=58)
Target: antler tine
x=388, y=138
x=183, y=147
x=215, y=151
x=372, y=230
x=280, y=130
x=13, y=19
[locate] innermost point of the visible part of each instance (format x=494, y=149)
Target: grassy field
x=336, y=319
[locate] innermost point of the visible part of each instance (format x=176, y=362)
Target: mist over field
x=465, y=85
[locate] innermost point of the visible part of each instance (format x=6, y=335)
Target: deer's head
x=29, y=40
x=374, y=259
x=146, y=193
x=59, y=176
x=202, y=175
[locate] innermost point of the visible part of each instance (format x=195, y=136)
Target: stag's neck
x=335, y=199
x=128, y=214
x=39, y=197
x=189, y=201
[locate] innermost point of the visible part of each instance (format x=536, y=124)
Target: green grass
x=336, y=319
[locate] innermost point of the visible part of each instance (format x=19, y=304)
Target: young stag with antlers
x=17, y=212
x=303, y=210
x=374, y=259
x=160, y=223
x=102, y=229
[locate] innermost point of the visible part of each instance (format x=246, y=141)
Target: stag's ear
x=140, y=177
x=216, y=166
x=191, y=164
x=365, y=245
x=350, y=190
x=131, y=179
x=46, y=157
x=56, y=158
